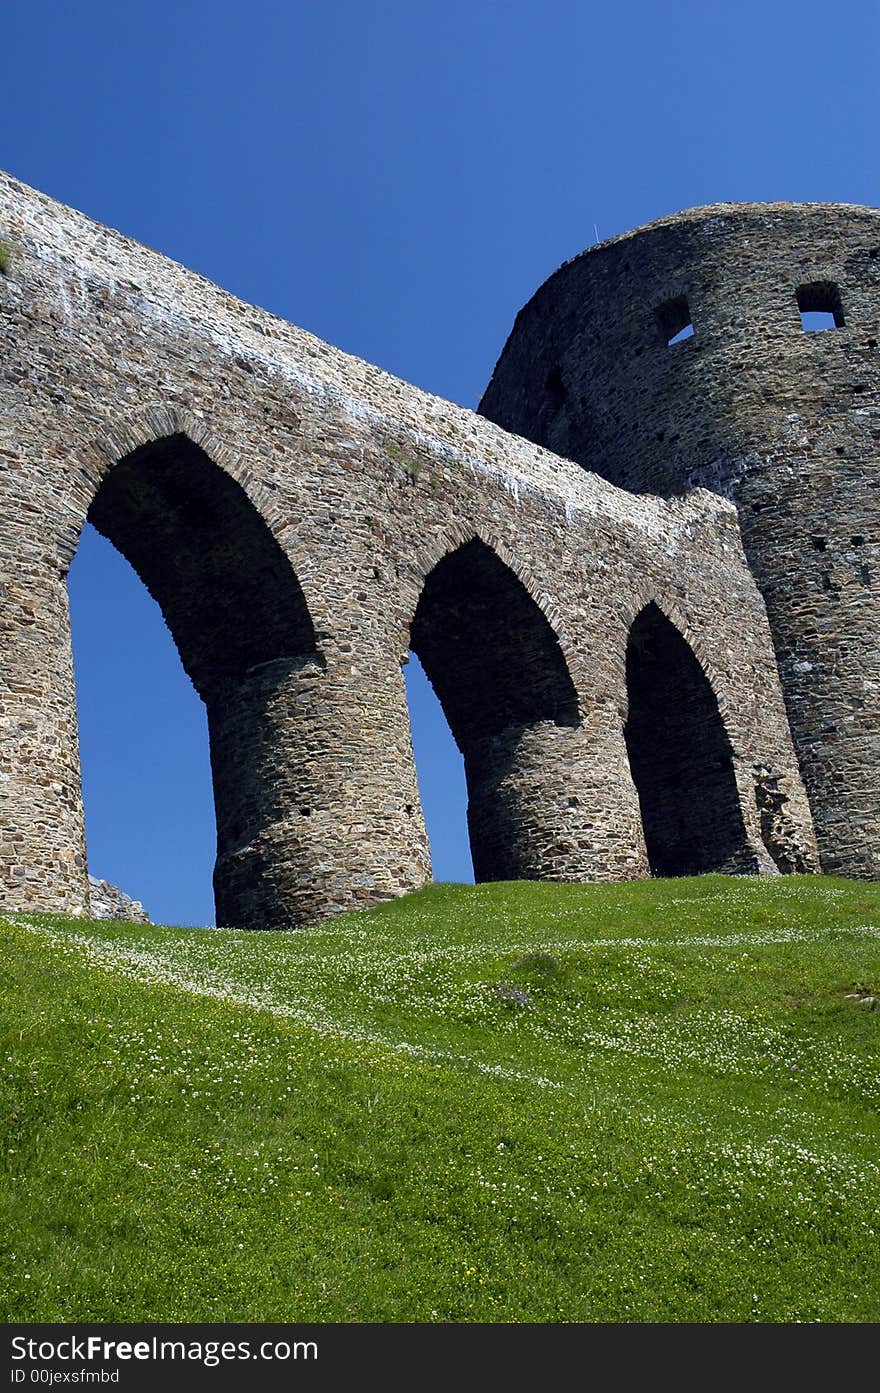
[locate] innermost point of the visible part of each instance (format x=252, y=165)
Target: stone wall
x=107, y=901
x=304, y=519
x=785, y=423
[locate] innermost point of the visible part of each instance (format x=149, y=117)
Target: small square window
x=674, y=321
x=820, y=306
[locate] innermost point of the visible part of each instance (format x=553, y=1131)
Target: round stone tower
x=735, y=347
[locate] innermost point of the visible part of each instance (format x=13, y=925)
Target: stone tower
x=684, y=354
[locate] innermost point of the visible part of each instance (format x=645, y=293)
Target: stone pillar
x=42, y=831
x=315, y=792
x=550, y=802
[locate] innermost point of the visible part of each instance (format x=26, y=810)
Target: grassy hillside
x=503, y=1103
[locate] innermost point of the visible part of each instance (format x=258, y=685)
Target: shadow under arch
x=242, y=627
x=228, y=592
x=498, y=670
x=680, y=756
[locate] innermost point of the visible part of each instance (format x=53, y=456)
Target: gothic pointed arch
x=227, y=591
x=497, y=667
x=488, y=649
x=680, y=755
x=242, y=627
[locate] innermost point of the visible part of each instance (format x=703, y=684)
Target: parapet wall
x=303, y=520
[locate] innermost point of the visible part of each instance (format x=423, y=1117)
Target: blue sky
x=397, y=178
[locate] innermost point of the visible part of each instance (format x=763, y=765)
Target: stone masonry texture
x=783, y=422
x=305, y=520
x=106, y=901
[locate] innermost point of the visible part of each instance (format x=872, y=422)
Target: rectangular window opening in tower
x=820, y=306
x=674, y=320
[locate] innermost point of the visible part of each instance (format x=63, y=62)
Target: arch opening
x=499, y=673
x=441, y=778
x=143, y=744
x=227, y=591
x=241, y=626
x=680, y=757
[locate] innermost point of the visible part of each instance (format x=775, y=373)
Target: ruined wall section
x=112, y=354
x=784, y=422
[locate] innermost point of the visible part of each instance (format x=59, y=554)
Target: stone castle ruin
x=643, y=581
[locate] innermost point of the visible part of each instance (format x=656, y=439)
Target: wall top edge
x=187, y=302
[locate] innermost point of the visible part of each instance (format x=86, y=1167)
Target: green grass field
x=518, y=1102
